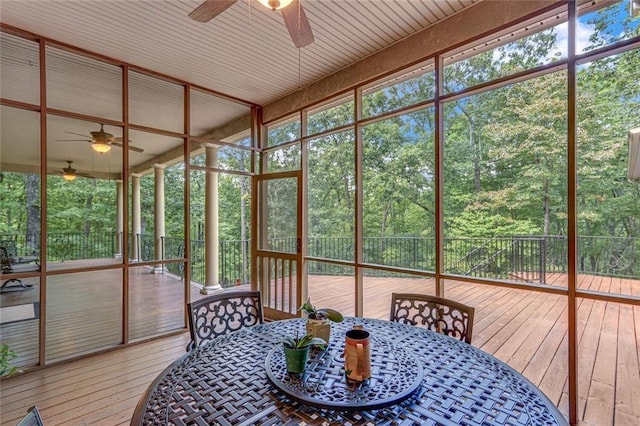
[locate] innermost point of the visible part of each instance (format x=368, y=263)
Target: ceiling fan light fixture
x=276, y=4
x=101, y=147
x=69, y=176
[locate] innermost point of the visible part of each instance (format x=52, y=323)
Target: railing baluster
x=525, y=257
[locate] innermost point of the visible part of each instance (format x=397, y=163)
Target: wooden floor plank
x=627, y=399
x=601, y=395
x=550, y=353
x=78, y=383
x=538, y=332
x=587, y=350
x=67, y=397
x=510, y=336
x=57, y=373
x=555, y=375
x=599, y=410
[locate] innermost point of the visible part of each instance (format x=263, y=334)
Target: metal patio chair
x=223, y=313
x=435, y=313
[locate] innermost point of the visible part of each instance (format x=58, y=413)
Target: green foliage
x=12, y=200
x=315, y=313
x=6, y=355
x=331, y=177
x=303, y=342
x=82, y=205
x=505, y=156
x=481, y=223
x=286, y=132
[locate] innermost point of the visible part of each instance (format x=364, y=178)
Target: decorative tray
x=395, y=375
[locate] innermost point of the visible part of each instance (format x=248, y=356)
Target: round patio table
x=225, y=382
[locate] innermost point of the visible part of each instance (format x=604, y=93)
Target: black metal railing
x=524, y=258
x=233, y=258
x=518, y=257
x=80, y=245
x=405, y=252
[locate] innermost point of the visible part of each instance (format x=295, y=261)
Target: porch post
x=158, y=210
x=211, y=223
x=119, y=219
x=135, y=216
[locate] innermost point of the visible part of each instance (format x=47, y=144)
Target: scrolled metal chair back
x=223, y=313
x=435, y=313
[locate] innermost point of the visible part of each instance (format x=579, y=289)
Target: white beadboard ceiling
x=245, y=52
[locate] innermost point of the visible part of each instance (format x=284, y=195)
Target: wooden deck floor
x=523, y=328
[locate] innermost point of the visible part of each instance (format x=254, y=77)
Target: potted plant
x=6, y=355
x=319, y=320
x=296, y=351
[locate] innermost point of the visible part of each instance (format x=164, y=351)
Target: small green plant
x=319, y=314
x=6, y=355
x=302, y=342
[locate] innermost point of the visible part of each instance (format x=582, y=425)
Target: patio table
x=225, y=382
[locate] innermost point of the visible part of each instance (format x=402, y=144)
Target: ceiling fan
x=101, y=141
x=69, y=173
x=294, y=17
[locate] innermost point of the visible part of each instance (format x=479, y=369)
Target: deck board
x=102, y=389
x=523, y=328
x=627, y=398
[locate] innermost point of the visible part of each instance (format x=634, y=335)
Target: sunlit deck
x=523, y=328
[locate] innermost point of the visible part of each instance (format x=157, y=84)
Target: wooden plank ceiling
x=244, y=52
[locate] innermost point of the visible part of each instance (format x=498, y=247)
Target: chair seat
x=17, y=260
x=32, y=418
x=21, y=267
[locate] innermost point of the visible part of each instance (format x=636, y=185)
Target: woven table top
x=225, y=383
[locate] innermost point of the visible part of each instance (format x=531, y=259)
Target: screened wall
x=102, y=216
x=493, y=174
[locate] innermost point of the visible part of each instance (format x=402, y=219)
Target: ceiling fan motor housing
x=276, y=4
x=101, y=135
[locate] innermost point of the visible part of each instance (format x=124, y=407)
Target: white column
x=135, y=217
x=119, y=219
x=211, y=237
x=158, y=210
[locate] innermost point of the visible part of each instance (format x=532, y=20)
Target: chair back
x=5, y=260
x=222, y=313
x=435, y=313
x=32, y=418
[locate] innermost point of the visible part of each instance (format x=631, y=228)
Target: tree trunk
x=475, y=148
x=244, y=191
x=32, y=193
x=349, y=202
x=546, y=208
x=86, y=226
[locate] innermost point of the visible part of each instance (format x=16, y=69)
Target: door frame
x=264, y=260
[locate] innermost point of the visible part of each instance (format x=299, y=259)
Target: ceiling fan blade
x=72, y=140
x=131, y=147
x=210, y=9
x=298, y=25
